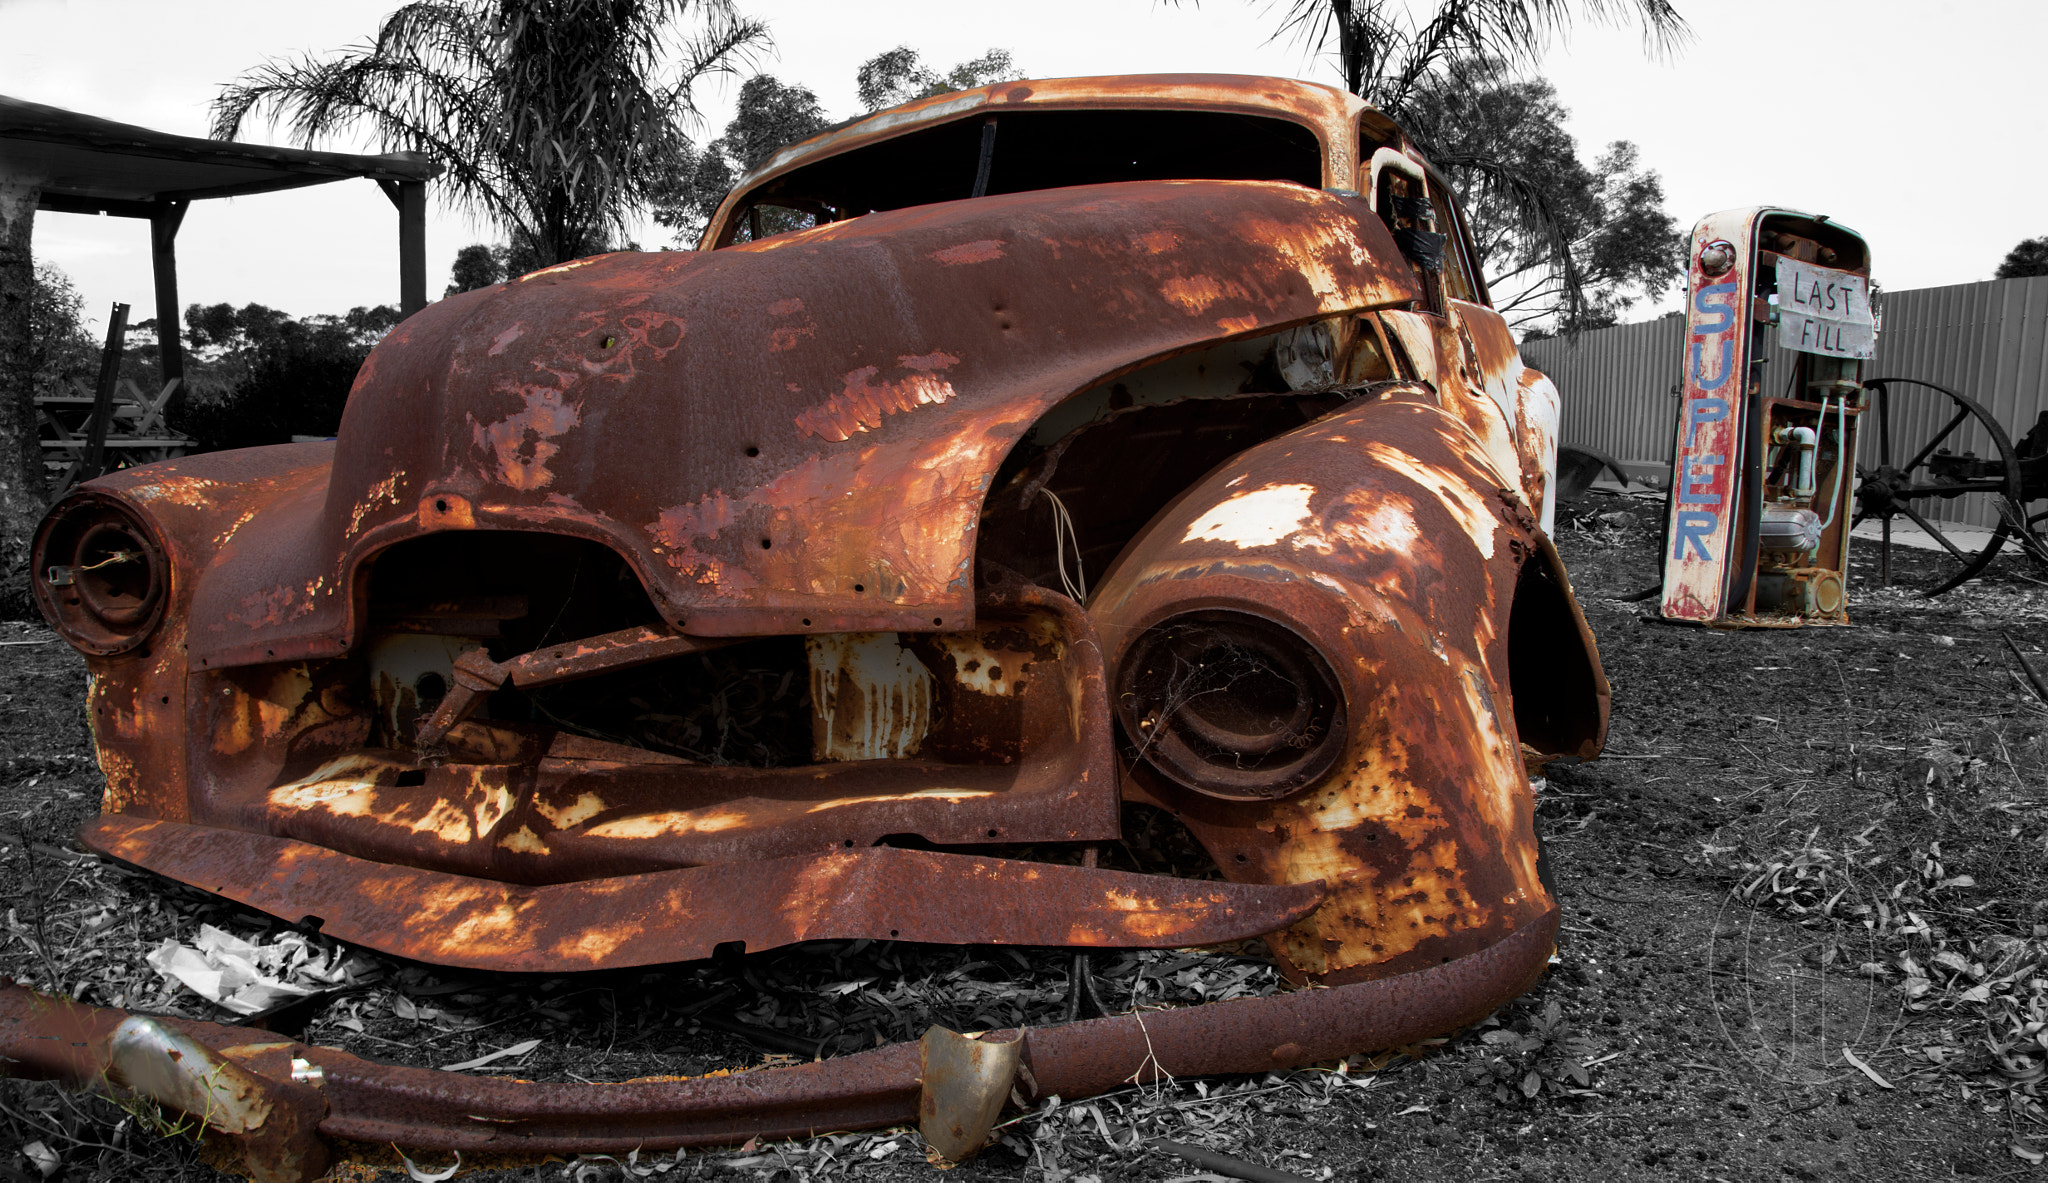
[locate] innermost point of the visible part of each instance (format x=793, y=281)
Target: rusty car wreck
x=1081, y=445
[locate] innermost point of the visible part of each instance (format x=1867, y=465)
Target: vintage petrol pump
x=1757, y=532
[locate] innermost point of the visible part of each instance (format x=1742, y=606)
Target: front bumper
x=294, y=1100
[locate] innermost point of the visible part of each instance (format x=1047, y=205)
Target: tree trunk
x=21, y=459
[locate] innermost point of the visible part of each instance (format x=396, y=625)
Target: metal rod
x=1927, y=527
x=2033, y=679
x=1927, y=449
x=103, y=395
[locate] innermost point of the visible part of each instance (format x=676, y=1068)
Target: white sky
x=1920, y=127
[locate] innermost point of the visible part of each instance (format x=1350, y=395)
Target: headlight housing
x=1231, y=704
x=100, y=574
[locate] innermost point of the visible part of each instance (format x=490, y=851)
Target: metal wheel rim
x=2007, y=488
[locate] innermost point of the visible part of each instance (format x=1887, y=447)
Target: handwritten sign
x=1822, y=310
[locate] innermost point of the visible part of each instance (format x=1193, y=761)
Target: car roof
x=1331, y=113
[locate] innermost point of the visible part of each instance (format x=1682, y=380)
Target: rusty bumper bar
x=881, y=892
x=419, y=1108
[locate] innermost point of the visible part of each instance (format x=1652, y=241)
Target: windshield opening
x=1031, y=150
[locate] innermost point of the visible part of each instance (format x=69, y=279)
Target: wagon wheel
x=2031, y=531
x=1928, y=469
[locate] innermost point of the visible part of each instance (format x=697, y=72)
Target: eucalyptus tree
x=556, y=120
x=900, y=75
x=2030, y=257
x=1501, y=141
x=772, y=114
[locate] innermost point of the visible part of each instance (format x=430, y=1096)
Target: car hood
x=795, y=435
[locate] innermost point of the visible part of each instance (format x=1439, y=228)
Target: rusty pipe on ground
x=424, y=1109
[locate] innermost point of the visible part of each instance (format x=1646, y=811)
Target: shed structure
x=82, y=164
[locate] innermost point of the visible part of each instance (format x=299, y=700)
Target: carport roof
x=85, y=164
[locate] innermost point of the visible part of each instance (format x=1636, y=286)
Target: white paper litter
x=246, y=977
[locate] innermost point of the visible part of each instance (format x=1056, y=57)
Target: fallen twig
x=2033, y=679
x=1224, y=1164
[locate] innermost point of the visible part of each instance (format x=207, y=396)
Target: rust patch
x=524, y=442
x=982, y=251
x=871, y=699
x=268, y=607
x=1197, y=293
x=864, y=403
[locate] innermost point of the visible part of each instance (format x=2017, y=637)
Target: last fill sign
x=1825, y=311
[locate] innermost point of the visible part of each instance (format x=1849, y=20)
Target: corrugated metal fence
x=1988, y=341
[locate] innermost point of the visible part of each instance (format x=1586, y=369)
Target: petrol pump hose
x=1752, y=499
x=1841, y=455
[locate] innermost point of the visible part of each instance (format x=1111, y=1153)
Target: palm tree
x=1407, y=63
x=1386, y=50
x=555, y=119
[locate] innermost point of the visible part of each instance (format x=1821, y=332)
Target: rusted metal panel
x=421, y=1109
x=664, y=916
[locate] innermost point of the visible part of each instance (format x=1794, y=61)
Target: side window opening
x=1457, y=270
x=1401, y=197
x=1422, y=214
x=763, y=220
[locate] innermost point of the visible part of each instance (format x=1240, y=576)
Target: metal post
x=410, y=197
x=163, y=257
x=988, y=157
x=103, y=395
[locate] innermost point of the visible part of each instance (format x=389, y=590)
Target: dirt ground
x=1804, y=936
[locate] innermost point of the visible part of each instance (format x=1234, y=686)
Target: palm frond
x=555, y=120
x=1385, y=52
